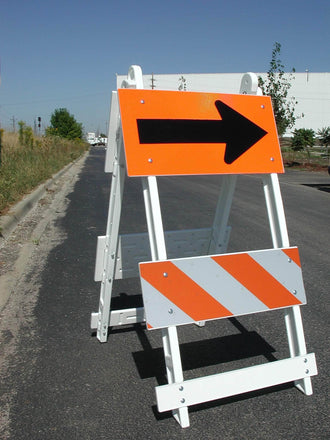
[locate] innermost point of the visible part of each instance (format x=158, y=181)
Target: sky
x=66, y=53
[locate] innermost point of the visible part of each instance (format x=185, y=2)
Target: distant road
x=63, y=384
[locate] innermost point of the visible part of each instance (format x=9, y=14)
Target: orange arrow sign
x=179, y=133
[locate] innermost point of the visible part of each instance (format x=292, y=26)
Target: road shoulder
x=25, y=223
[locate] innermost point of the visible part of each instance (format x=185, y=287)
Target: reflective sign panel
x=179, y=133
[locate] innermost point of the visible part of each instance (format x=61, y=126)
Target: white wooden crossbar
x=134, y=248
x=231, y=383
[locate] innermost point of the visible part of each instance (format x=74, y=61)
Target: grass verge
x=23, y=168
x=316, y=159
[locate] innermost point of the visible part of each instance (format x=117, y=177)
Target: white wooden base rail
x=231, y=383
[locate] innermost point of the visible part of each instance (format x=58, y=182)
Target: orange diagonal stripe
x=257, y=280
x=293, y=254
x=182, y=291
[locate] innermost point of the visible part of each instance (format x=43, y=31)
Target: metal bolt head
x=142, y=101
x=272, y=159
x=181, y=388
x=307, y=371
x=170, y=311
x=150, y=160
x=165, y=274
x=294, y=291
x=289, y=260
x=182, y=400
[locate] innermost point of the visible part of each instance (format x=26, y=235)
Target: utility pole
x=14, y=123
x=153, y=81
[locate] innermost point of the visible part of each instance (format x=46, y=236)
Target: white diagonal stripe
x=220, y=285
x=283, y=269
x=161, y=312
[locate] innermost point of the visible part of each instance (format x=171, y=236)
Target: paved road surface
x=59, y=382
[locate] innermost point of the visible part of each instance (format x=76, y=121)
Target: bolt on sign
x=183, y=133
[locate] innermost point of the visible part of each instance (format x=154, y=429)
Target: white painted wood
x=231, y=383
x=113, y=133
x=280, y=237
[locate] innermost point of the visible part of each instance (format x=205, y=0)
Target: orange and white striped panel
x=186, y=290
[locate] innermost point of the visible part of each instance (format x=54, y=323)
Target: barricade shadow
x=119, y=302
x=196, y=355
x=320, y=186
x=125, y=301
x=206, y=353
x=202, y=353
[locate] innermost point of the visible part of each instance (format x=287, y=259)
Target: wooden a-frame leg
x=292, y=315
x=110, y=251
x=174, y=369
x=158, y=252
x=297, y=345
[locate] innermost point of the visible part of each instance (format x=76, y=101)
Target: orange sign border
x=263, y=157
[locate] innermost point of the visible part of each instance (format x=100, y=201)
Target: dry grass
x=23, y=168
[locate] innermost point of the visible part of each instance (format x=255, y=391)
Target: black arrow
x=235, y=130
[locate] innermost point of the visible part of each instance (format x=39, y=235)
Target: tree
x=277, y=86
x=303, y=139
x=324, y=138
x=25, y=135
x=64, y=125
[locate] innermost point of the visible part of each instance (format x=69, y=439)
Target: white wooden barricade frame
x=112, y=262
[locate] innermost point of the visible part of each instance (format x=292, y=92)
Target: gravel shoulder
x=26, y=223
x=25, y=247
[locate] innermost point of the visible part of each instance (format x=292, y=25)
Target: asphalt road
x=59, y=382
